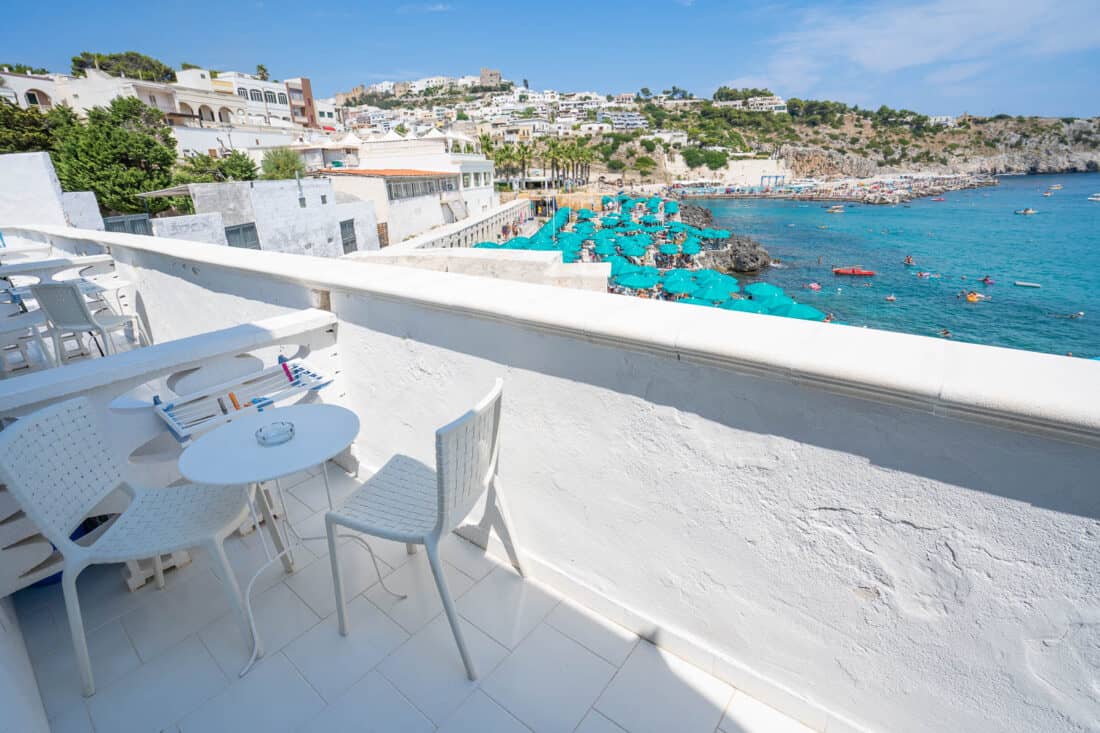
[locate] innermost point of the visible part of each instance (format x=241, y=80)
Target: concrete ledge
x=1024, y=391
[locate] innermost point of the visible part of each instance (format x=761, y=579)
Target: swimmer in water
x=945, y=333
x=1072, y=316
x=909, y=259
x=829, y=318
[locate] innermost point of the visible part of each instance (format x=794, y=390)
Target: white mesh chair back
x=56, y=464
x=466, y=453
x=64, y=306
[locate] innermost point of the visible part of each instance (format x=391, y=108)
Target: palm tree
x=523, y=155
x=486, y=143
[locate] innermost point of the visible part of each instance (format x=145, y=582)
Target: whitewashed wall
x=29, y=190
x=82, y=210
x=867, y=530
x=207, y=228
x=21, y=708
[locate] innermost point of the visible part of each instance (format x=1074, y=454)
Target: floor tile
x=549, y=682
x=311, y=492
x=332, y=663
x=246, y=556
x=112, y=656
x=748, y=715
x=428, y=670
x=272, y=697
x=596, y=723
x=281, y=617
x=175, y=613
x=157, y=694
x=313, y=583
x=505, y=606
x=415, y=580
x=592, y=631
x=372, y=705
x=73, y=720
x=690, y=700
x=479, y=714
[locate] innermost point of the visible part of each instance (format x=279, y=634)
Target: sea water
x=971, y=234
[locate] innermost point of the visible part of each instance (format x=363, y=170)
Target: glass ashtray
x=275, y=433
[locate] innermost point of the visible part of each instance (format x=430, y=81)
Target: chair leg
x=432, y=546
x=337, y=581
x=233, y=594
x=410, y=548
x=158, y=571
x=504, y=529
x=76, y=628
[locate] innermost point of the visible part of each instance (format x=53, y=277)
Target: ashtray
x=275, y=433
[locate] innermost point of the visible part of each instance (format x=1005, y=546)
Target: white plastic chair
x=18, y=330
x=406, y=501
x=56, y=465
x=68, y=313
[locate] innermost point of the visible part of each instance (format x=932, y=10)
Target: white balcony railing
x=867, y=530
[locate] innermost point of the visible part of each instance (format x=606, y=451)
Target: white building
x=943, y=120
x=775, y=105
x=623, y=120
x=29, y=91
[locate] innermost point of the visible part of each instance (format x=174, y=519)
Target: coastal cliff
x=987, y=146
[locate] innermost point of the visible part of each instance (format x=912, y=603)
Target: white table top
x=229, y=455
x=52, y=266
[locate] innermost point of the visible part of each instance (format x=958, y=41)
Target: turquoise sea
x=972, y=234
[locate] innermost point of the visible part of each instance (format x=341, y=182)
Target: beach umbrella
x=649, y=219
x=651, y=271
x=777, y=302
x=629, y=226
x=745, y=306
x=721, y=233
x=679, y=273
x=671, y=207
x=714, y=292
x=605, y=248
x=669, y=249
x=680, y=286
x=632, y=249
x=544, y=245
x=691, y=247
x=486, y=245
x=569, y=256
x=642, y=239
x=799, y=310
x=622, y=267
x=637, y=281
x=586, y=214
x=729, y=282
x=695, y=301
x=653, y=204
x=762, y=290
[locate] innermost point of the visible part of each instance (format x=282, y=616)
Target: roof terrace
x=729, y=521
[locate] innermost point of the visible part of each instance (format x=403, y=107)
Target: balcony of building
x=729, y=522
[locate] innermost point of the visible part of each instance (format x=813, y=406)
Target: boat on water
x=853, y=271
x=1025, y=212
x=1094, y=197
x=1025, y=284
x=1055, y=187
x=838, y=209
x=1047, y=193
x=939, y=198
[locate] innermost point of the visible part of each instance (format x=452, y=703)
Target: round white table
x=230, y=455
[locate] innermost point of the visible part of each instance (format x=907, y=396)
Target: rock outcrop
x=697, y=216
x=738, y=254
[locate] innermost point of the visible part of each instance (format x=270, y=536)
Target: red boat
x=939, y=198
x=854, y=271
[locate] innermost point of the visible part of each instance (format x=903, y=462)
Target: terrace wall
x=868, y=530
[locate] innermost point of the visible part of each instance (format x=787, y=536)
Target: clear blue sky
x=938, y=57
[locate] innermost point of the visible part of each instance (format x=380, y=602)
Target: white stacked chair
x=69, y=315
x=406, y=501
x=58, y=468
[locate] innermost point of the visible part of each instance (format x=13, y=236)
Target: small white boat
x=1094, y=197
x=1024, y=284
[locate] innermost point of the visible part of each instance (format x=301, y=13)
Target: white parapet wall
x=867, y=530
x=468, y=232
x=543, y=268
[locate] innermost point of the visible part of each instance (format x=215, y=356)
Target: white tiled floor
x=168, y=660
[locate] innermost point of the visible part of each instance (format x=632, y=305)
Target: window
x=465, y=180
x=242, y=235
x=32, y=99
x=282, y=98
x=269, y=97
x=152, y=100
x=242, y=92
x=255, y=95
x=324, y=199
x=347, y=236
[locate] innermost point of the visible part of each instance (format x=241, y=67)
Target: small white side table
x=230, y=455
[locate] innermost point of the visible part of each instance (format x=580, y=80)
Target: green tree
x=185, y=66
x=131, y=64
x=22, y=130
x=24, y=69
x=401, y=129
x=261, y=72
x=237, y=166
x=282, y=163
x=729, y=94
x=462, y=116
x=123, y=150
x=645, y=165
x=645, y=92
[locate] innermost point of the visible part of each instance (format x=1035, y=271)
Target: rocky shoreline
x=739, y=253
